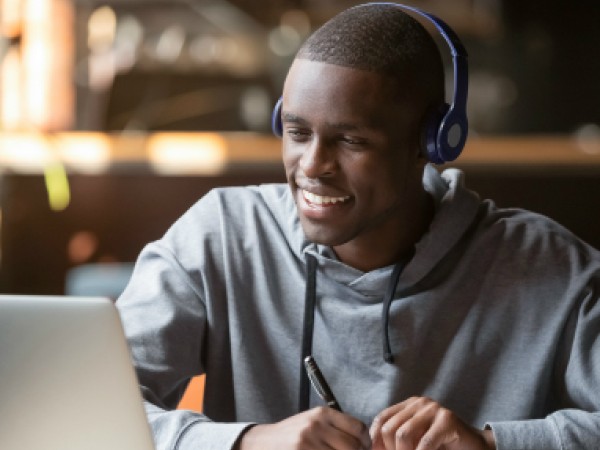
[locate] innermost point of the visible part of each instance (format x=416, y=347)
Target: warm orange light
x=47, y=48
x=34, y=152
x=12, y=91
x=11, y=17
x=102, y=27
x=187, y=153
x=85, y=152
x=27, y=153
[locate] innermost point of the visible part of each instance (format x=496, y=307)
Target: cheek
x=377, y=173
x=290, y=157
x=376, y=189
x=386, y=183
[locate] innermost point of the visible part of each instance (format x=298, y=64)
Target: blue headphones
x=446, y=131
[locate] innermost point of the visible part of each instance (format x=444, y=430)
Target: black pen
x=319, y=383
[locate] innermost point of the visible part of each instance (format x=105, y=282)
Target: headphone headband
x=445, y=134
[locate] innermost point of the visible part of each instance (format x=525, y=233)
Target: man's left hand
x=420, y=423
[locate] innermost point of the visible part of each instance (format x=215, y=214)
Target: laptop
x=66, y=377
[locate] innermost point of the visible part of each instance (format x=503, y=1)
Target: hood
x=456, y=209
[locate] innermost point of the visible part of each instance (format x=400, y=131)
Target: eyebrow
x=342, y=126
x=292, y=118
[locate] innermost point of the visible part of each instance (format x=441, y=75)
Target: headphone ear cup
x=432, y=131
x=276, y=124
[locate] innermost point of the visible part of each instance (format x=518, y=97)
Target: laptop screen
x=67, y=381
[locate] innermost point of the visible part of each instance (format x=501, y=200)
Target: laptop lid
x=66, y=377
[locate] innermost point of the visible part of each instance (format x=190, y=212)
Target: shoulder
x=259, y=203
x=260, y=212
x=238, y=204
x=272, y=196
x=524, y=230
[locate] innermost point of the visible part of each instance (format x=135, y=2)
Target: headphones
x=446, y=130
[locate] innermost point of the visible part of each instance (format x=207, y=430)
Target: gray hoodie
x=496, y=317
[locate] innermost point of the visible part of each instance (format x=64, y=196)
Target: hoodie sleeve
x=576, y=422
x=166, y=318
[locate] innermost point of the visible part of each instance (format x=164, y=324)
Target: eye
x=353, y=141
x=298, y=134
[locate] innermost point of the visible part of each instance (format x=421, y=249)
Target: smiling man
x=355, y=169
x=440, y=321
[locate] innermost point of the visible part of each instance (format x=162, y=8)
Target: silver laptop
x=66, y=378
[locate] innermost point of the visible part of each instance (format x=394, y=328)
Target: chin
x=322, y=236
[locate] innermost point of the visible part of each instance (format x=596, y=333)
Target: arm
x=176, y=295
x=574, y=422
x=165, y=322
x=166, y=335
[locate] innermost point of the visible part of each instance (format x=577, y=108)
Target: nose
x=319, y=160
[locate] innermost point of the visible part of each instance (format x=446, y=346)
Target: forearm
x=188, y=430
x=562, y=429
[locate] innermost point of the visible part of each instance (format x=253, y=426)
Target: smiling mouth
x=323, y=200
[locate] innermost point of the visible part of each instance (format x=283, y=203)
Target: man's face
x=350, y=150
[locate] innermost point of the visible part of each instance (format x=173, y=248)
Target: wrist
x=242, y=440
x=245, y=439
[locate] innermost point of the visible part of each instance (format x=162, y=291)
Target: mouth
x=323, y=200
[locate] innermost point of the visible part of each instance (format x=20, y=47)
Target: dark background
x=534, y=69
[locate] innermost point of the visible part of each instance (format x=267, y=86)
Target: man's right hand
x=320, y=428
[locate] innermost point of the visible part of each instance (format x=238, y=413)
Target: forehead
x=315, y=88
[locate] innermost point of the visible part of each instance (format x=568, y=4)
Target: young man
x=489, y=318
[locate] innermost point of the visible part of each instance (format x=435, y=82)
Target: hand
x=422, y=424
x=318, y=428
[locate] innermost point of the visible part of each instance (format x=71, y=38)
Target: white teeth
x=322, y=199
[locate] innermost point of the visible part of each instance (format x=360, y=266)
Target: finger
x=440, y=434
x=408, y=434
x=390, y=428
x=386, y=414
x=377, y=444
x=383, y=417
x=400, y=431
x=317, y=433
x=340, y=440
x=350, y=431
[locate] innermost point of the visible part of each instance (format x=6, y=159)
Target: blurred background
x=116, y=116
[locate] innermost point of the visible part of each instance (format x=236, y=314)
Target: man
x=490, y=332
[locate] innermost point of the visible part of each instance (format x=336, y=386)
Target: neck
x=376, y=249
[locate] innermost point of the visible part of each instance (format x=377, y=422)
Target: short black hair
x=382, y=39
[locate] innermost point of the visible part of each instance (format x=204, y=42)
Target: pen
x=319, y=383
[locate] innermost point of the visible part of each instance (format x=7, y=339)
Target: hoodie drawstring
x=310, y=297
x=385, y=311
x=309, y=320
